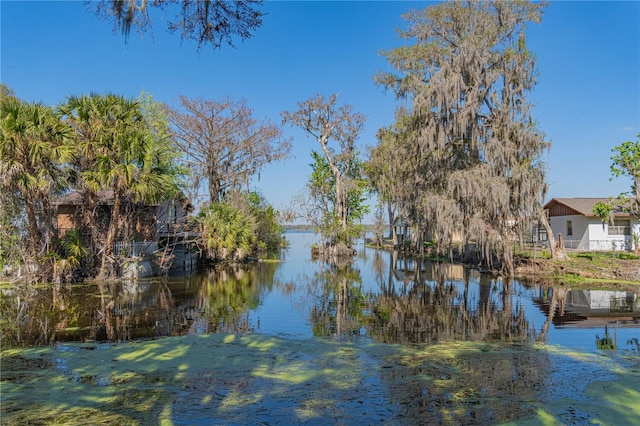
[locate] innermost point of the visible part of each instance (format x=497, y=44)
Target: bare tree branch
x=224, y=144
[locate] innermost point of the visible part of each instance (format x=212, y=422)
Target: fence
x=135, y=248
x=611, y=244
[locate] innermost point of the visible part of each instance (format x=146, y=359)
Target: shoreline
x=602, y=269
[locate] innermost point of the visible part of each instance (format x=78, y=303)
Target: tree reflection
x=116, y=311
x=337, y=309
x=133, y=309
x=31, y=315
x=557, y=297
x=417, y=302
x=227, y=297
x=399, y=300
x=218, y=301
x=454, y=380
x=425, y=302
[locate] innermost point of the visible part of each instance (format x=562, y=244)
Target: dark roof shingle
x=584, y=206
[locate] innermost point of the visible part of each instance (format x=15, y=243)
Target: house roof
x=581, y=206
x=74, y=198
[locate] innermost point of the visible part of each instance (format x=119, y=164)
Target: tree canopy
x=33, y=146
x=388, y=169
x=476, y=175
x=223, y=143
x=112, y=158
x=626, y=162
x=121, y=154
x=337, y=178
x=206, y=22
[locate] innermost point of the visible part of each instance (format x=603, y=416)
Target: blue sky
x=587, y=98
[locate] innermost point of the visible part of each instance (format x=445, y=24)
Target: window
x=620, y=227
x=569, y=228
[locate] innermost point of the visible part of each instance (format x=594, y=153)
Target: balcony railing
x=173, y=228
x=135, y=248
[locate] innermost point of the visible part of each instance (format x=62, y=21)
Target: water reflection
x=425, y=302
x=588, y=308
x=382, y=296
x=218, y=301
x=338, y=306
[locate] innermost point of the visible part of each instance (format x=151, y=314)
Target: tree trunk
x=507, y=266
x=636, y=190
x=86, y=217
x=34, y=235
x=107, y=254
x=392, y=223
x=341, y=189
x=342, y=198
x=214, y=189
x=48, y=233
x=556, y=249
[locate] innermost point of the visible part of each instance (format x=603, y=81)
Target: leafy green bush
x=227, y=232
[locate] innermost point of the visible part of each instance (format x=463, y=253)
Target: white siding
x=598, y=236
x=580, y=237
x=589, y=233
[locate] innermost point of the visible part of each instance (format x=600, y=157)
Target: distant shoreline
x=306, y=227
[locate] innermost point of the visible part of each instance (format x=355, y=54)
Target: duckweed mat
x=255, y=379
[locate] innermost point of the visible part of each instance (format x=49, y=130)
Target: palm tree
x=33, y=147
x=227, y=232
x=120, y=155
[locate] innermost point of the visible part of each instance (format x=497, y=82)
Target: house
x=583, y=230
x=404, y=232
x=147, y=221
x=591, y=308
x=150, y=227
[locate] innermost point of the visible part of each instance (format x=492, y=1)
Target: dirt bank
x=604, y=269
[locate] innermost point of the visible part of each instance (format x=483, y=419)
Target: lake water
x=383, y=340
x=380, y=297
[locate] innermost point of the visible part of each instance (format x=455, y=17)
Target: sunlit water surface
x=384, y=339
x=380, y=297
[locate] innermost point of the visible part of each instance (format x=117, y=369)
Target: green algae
x=252, y=378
